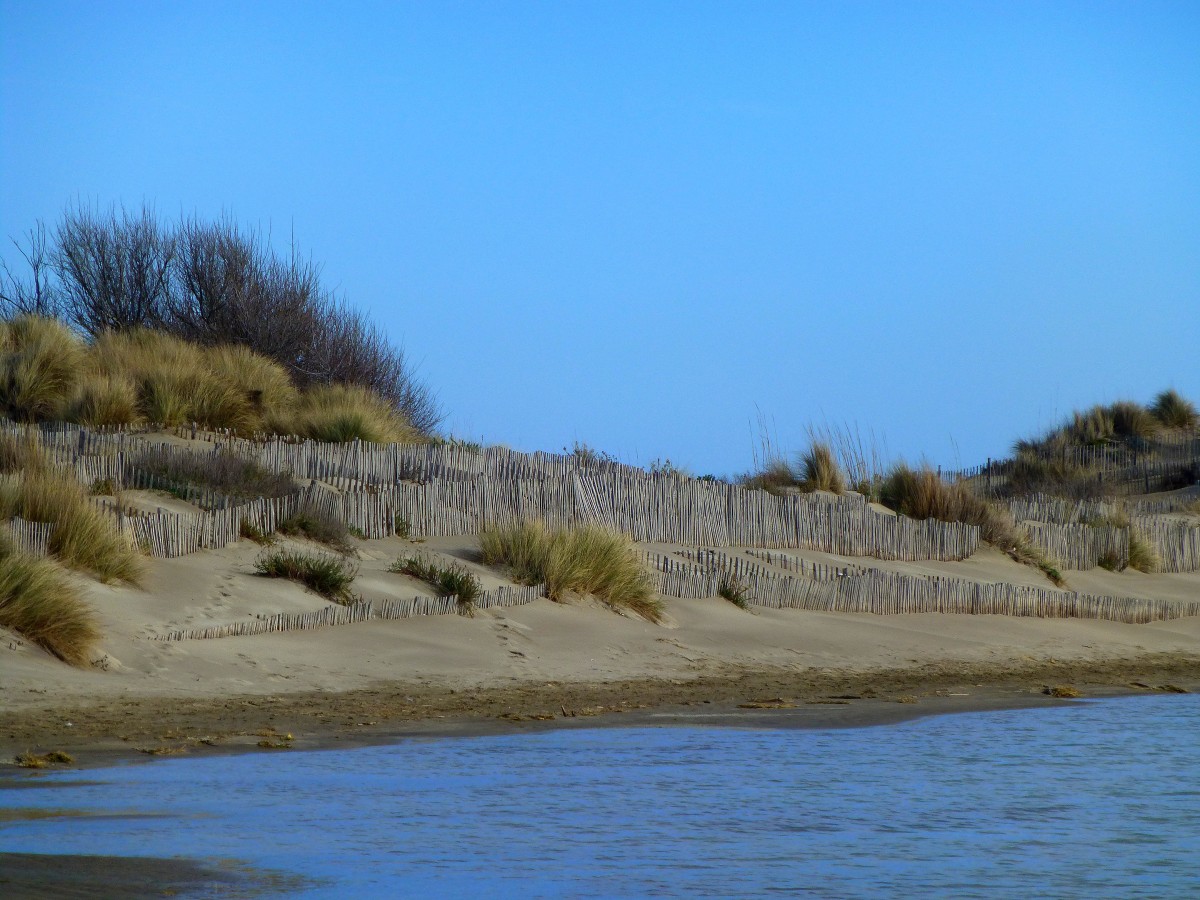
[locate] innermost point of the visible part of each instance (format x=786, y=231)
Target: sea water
x=1090, y=799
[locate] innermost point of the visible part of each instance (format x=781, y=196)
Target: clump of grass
x=317, y=525
x=265, y=385
x=339, y=413
x=40, y=604
x=821, y=471
x=30, y=760
x=586, y=560
x=1172, y=410
x=447, y=581
x=104, y=399
x=83, y=537
x=921, y=494
x=1142, y=555
x=222, y=471
x=734, y=591
x=1109, y=561
x=330, y=576
x=775, y=477
x=39, y=364
x=251, y=532
x=103, y=487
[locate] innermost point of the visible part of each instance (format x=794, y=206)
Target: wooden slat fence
x=358, y=611
x=890, y=593
x=32, y=538
x=1081, y=547
x=1177, y=543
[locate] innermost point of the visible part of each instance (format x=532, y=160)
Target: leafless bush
x=114, y=268
x=212, y=283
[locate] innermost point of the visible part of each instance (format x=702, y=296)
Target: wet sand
x=110, y=729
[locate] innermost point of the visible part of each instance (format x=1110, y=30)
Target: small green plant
x=1109, y=561
x=403, y=528
x=735, y=592
x=252, y=532
x=317, y=525
x=356, y=532
x=329, y=576
x=447, y=581
x=666, y=467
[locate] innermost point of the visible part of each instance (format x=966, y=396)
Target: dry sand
x=545, y=662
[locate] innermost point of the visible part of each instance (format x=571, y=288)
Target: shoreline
x=107, y=730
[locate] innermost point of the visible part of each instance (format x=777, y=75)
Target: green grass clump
x=317, y=525
x=330, y=576
x=585, y=560
x=104, y=399
x=38, y=602
x=251, y=532
x=821, y=471
x=1173, y=411
x=447, y=581
x=735, y=592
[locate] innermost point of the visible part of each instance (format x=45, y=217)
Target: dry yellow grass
x=39, y=603
x=39, y=365
x=587, y=560
x=340, y=412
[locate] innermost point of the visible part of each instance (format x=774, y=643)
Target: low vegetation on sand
x=317, y=525
x=83, y=537
x=447, y=581
x=38, y=602
x=141, y=375
x=921, y=494
x=221, y=472
x=586, y=560
x=326, y=574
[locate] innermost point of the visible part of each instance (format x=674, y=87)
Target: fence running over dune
x=466, y=490
x=1081, y=547
x=1060, y=511
x=890, y=593
x=359, y=611
x=1176, y=543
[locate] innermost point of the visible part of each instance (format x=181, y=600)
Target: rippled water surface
x=1090, y=800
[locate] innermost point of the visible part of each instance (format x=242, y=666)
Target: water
x=1098, y=799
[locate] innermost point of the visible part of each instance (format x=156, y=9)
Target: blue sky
x=642, y=225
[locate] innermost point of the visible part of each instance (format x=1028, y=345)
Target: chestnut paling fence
x=837, y=589
x=360, y=611
x=436, y=490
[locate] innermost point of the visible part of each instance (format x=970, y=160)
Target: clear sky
x=640, y=225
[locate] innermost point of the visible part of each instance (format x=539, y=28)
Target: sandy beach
x=547, y=664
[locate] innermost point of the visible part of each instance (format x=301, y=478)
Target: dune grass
x=447, y=581
x=589, y=559
x=317, y=525
x=921, y=494
x=339, y=413
x=1173, y=411
x=223, y=471
x=143, y=375
x=820, y=469
x=83, y=537
x=328, y=575
x=1142, y=555
x=38, y=602
x=40, y=360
